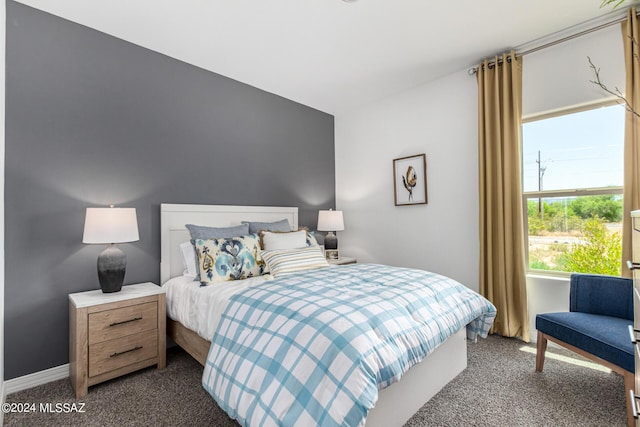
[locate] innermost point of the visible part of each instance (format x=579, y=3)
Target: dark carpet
x=499, y=388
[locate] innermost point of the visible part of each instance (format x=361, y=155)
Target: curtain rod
x=474, y=70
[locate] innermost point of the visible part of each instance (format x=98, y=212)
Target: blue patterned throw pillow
x=236, y=258
x=311, y=238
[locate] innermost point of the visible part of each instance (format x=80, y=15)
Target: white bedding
x=199, y=307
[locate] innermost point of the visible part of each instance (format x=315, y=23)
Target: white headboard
x=173, y=231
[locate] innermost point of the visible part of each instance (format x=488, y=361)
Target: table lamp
x=111, y=226
x=330, y=221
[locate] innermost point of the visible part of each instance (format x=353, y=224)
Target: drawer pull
x=633, y=265
x=634, y=407
x=125, y=321
x=120, y=353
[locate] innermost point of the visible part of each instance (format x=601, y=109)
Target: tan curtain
x=631, y=37
x=502, y=260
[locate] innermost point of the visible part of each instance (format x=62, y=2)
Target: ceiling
x=328, y=54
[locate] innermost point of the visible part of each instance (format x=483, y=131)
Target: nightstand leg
x=162, y=326
x=78, y=319
x=81, y=391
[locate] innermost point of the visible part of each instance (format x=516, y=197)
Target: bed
x=395, y=403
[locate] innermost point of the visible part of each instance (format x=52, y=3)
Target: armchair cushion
x=603, y=295
x=603, y=336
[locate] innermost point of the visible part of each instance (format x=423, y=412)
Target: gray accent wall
x=92, y=120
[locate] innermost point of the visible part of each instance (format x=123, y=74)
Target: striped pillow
x=286, y=261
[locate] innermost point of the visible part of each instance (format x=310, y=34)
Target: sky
x=580, y=150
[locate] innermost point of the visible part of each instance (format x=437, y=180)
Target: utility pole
x=541, y=170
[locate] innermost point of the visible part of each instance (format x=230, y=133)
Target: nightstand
x=343, y=260
x=115, y=333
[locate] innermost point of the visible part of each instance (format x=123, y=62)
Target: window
x=572, y=190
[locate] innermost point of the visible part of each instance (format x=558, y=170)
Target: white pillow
x=189, y=260
x=286, y=261
x=280, y=240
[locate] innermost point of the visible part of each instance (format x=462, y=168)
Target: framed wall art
x=410, y=180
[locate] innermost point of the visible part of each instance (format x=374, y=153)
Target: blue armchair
x=596, y=327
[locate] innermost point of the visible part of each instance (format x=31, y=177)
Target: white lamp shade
x=330, y=221
x=110, y=225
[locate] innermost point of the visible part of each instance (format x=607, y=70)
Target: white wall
x=558, y=77
x=440, y=119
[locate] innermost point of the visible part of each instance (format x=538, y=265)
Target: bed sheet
x=199, y=308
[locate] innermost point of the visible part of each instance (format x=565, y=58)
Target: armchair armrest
x=604, y=295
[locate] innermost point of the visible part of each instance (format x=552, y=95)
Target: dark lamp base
x=330, y=241
x=112, y=263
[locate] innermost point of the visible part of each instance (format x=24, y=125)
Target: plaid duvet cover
x=313, y=348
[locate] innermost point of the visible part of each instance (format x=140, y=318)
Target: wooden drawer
x=119, y=322
x=110, y=355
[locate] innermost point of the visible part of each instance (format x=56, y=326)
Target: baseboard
x=2, y=400
x=36, y=379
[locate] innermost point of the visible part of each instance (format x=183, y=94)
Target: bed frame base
x=191, y=342
x=398, y=402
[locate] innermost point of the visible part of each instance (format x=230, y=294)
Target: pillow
x=280, y=240
x=236, y=258
x=189, y=260
x=257, y=227
x=204, y=233
x=311, y=239
x=286, y=261
x=318, y=237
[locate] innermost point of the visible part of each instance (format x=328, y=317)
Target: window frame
x=526, y=195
